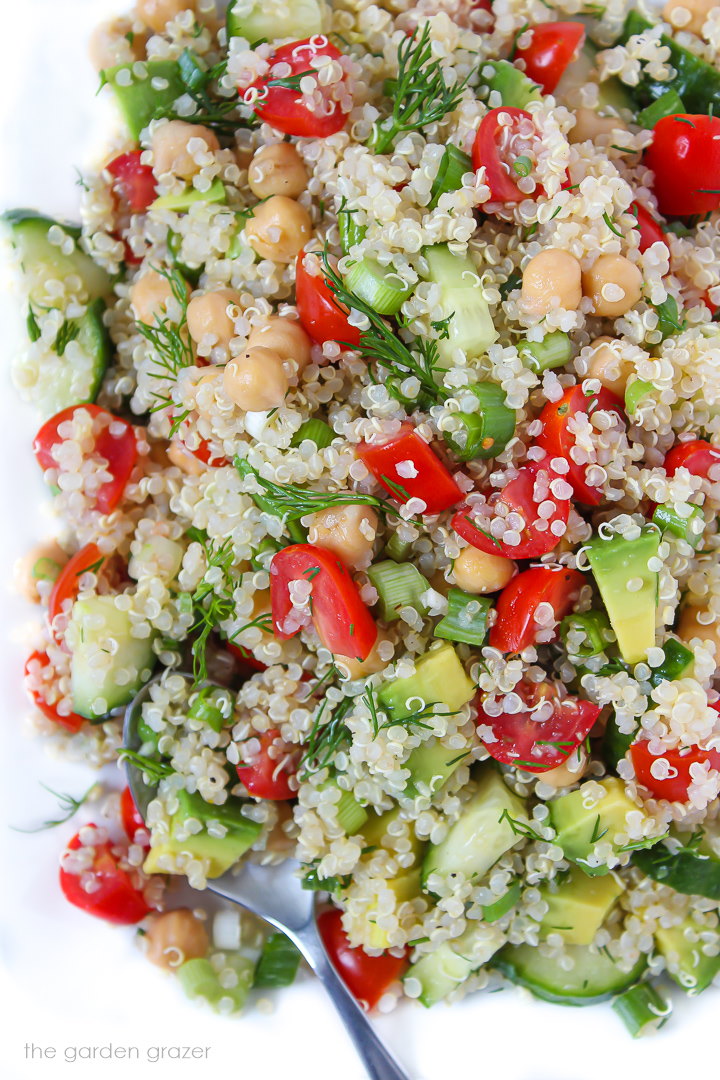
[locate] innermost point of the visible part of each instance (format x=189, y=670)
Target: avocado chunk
x=582, y=820
x=221, y=852
x=578, y=905
x=108, y=665
x=482, y=833
x=216, y=193
x=439, y=678
x=43, y=261
x=450, y=964
x=268, y=20
x=138, y=99
x=686, y=963
x=514, y=87
x=628, y=588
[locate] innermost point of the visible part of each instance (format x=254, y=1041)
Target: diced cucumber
x=696, y=81
x=108, y=665
x=578, y=905
x=51, y=382
x=399, y=585
x=181, y=845
x=594, y=976
x=628, y=587
x=454, y=164
x=461, y=301
x=43, y=261
x=482, y=833
x=216, y=193
x=138, y=99
x=201, y=981
x=687, y=963
x=450, y=964
x=439, y=678
x=694, y=870
x=466, y=619
x=268, y=20
x=431, y=765
x=514, y=87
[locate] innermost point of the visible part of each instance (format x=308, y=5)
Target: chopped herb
x=170, y=343
x=326, y=737
x=519, y=828
x=624, y=149
x=401, y=493
x=212, y=602
x=31, y=322
x=292, y=82
x=611, y=224
x=68, y=805
x=595, y=834
x=67, y=333
x=154, y=770
x=211, y=109
x=647, y=842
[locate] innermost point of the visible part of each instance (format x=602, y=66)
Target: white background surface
x=68, y=980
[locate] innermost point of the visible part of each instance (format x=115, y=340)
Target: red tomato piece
x=67, y=584
x=430, y=480
x=673, y=787
x=554, y=45
x=343, y=622
x=133, y=182
x=542, y=735
x=115, y=442
x=267, y=774
x=528, y=496
x=697, y=456
x=558, y=441
x=285, y=107
x=517, y=605
x=367, y=977
x=486, y=6
x=498, y=146
x=206, y=454
x=650, y=230
x=320, y=314
x=114, y=895
x=72, y=722
x=245, y=658
x=685, y=157
x=133, y=821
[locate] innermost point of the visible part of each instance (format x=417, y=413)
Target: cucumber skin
x=28, y=230
x=506, y=963
x=689, y=874
x=93, y=327
x=139, y=103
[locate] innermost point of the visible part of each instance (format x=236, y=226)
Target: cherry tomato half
x=67, y=584
x=267, y=774
x=408, y=469
x=279, y=101
x=114, y=894
x=650, y=230
x=554, y=45
x=133, y=182
x=115, y=442
x=673, y=787
x=527, y=495
x=516, y=626
x=498, y=146
x=72, y=722
x=367, y=977
x=343, y=622
x=697, y=456
x=685, y=157
x=134, y=825
x=320, y=314
x=542, y=735
x=558, y=441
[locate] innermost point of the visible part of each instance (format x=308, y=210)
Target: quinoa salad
x=378, y=394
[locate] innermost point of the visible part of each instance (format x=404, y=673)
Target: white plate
x=71, y=981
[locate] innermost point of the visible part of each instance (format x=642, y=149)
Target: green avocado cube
x=578, y=905
x=439, y=678
x=222, y=852
x=629, y=588
x=581, y=821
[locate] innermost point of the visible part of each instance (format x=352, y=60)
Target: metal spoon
x=275, y=894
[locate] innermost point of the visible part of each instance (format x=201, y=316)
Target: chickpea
x=477, y=572
x=279, y=229
x=157, y=13
x=277, y=170
x=170, y=147
x=347, y=531
x=286, y=337
x=614, y=285
x=590, y=125
x=42, y=563
x=109, y=45
x=149, y=296
x=178, y=454
x=352, y=668
x=607, y=365
x=689, y=627
x=207, y=316
x=256, y=381
x=551, y=280
x=570, y=772
x=174, y=937
x=676, y=13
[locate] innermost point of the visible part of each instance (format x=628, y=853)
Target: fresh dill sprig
x=211, y=110
x=519, y=828
x=291, y=502
x=647, y=842
x=33, y=326
x=291, y=82
x=379, y=344
x=68, y=804
x=154, y=770
x=326, y=737
x=212, y=602
x=312, y=880
x=422, y=95
x=170, y=343
x=67, y=333
x=263, y=622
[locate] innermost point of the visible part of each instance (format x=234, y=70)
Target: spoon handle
x=378, y=1060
